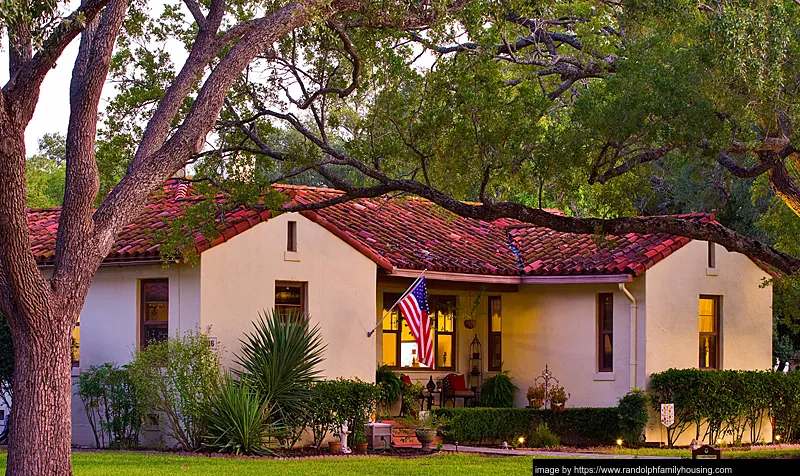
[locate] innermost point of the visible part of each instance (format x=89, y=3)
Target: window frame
x=602, y=332
x=76, y=363
x=717, y=309
x=303, y=307
x=492, y=333
x=143, y=323
x=433, y=301
x=291, y=236
x=712, y=255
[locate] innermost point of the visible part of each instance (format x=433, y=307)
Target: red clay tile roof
x=405, y=233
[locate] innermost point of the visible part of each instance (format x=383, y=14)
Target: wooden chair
x=454, y=386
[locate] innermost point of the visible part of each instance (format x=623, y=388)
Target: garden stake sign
x=667, y=417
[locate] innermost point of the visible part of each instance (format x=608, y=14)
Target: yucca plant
x=239, y=420
x=280, y=359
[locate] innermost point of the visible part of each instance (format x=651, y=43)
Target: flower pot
x=470, y=323
x=425, y=436
x=335, y=446
x=537, y=403
x=558, y=407
x=361, y=448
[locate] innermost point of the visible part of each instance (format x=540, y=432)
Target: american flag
x=415, y=311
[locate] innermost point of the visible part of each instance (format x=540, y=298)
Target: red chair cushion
x=457, y=383
x=405, y=379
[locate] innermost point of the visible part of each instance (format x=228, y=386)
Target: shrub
x=111, y=404
x=542, y=437
x=178, y=377
x=390, y=383
x=494, y=425
x=633, y=416
x=498, y=391
x=239, y=420
x=279, y=359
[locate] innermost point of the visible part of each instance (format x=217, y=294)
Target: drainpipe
x=634, y=313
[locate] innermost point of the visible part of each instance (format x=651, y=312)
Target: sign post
x=667, y=416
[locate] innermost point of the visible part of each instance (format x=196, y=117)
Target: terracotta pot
x=361, y=448
x=425, y=437
x=470, y=323
x=537, y=403
x=558, y=407
x=335, y=446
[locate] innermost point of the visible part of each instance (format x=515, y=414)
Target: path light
x=619, y=441
x=778, y=438
x=521, y=440
x=719, y=441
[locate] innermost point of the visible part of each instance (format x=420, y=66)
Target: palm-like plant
x=279, y=359
x=239, y=420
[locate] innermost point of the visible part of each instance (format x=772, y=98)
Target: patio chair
x=454, y=386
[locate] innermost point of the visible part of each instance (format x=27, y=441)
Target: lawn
x=118, y=464
x=726, y=454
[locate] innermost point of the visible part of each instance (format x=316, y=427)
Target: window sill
x=291, y=256
x=712, y=271
x=603, y=376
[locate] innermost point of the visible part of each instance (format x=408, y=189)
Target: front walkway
x=552, y=454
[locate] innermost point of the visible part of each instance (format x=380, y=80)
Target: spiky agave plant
x=280, y=359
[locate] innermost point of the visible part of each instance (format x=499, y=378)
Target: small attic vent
x=291, y=236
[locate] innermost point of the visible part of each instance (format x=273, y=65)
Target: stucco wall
x=238, y=281
x=674, y=286
x=552, y=325
x=110, y=320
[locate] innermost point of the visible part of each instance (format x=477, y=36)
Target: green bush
x=542, y=437
x=279, y=359
x=178, y=378
x=726, y=403
x=239, y=420
x=498, y=391
x=112, y=406
x=391, y=385
x=633, y=416
x=494, y=425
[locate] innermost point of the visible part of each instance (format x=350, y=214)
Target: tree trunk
x=41, y=431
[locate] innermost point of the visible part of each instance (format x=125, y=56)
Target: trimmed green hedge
x=494, y=425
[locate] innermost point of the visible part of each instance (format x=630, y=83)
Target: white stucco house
x=602, y=313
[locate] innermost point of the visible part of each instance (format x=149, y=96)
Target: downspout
x=634, y=313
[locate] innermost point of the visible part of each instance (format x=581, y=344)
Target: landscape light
x=777, y=437
x=719, y=441
x=521, y=440
x=619, y=441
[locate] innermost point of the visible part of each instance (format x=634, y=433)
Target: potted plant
x=335, y=446
x=470, y=315
x=536, y=395
x=558, y=398
x=360, y=442
x=425, y=428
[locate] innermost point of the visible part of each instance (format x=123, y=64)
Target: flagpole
x=369, y=334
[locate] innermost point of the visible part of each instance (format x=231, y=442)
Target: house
x=602, y=313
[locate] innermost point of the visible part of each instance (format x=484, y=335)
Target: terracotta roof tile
x=408, y=233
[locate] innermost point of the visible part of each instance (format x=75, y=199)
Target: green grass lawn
x=726, y=454
x=105, y=463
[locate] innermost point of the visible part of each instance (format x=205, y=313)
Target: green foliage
x=542, y=437
x=494, y=425
x=410, y=403
x=178, y=377
x=45, y=173
x=390, y=383
x=633, y=416
x=498, y=391
x=112, y=405
x=728, y=402
x=279, y=358
x=6, y=361
x=239, y=420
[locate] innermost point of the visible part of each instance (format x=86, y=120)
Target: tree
x=223, y=39
x=45, y=173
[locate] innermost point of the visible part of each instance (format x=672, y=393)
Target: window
x=291, y=236
x=290, y=299
x=605, y=332
x=712, y=255
x=154, y=311
x=76, y=344
x=708, y=326
x=399, y=346
x=495, y=328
